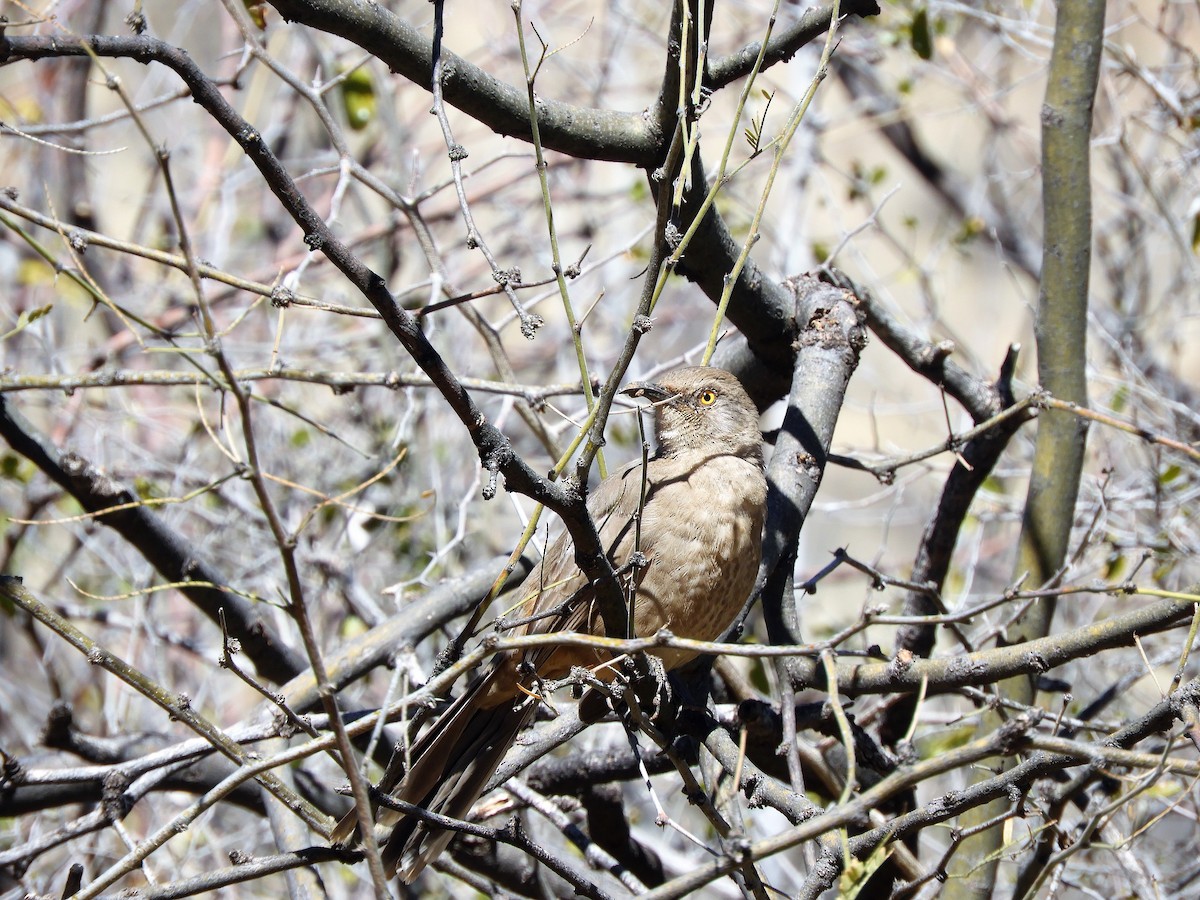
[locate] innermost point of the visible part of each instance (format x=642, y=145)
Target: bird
x=700, y=540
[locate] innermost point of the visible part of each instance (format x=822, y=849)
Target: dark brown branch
x=172, y=557
x=975, y=463
x=932, y=361
x=988, y=666
x=973, y=467
x=762, y=308
x=600, y=134
x=580, y=770
x=783, y=43
x=608, y=824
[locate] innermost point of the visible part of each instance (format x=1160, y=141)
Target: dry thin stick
x=597, y=856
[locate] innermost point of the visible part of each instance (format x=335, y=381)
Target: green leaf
x=12, y=468
x=971, y=228
x=257, y=10
x=922, y=39
x=944, y=740
x=1163, y=570
x=358, y=97
x=856, y=873
x=27, y=318
x=146, y=489
x=1169, y=474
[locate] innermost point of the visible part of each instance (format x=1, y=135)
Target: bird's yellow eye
x=707, y=398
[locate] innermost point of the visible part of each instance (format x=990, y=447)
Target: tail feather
x=469, y=759
x=450, y=766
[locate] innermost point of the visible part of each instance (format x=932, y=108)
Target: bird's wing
x=612, y=505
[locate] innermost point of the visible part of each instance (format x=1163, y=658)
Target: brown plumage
x=701, y=533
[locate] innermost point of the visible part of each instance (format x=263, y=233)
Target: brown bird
x=701, y=534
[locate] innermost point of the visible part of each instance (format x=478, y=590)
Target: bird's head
x=700, y=408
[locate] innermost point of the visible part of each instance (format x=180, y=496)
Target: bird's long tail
x=451, y=764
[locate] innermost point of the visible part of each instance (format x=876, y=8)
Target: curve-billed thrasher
x=701, y=532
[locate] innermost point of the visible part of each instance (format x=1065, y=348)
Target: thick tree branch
x=1031, y=658
x=826, y=355
x=172, y=556
x=934, y=362
x=784, y=43
x=1061, y=334
x=176, y=705
x=601, y=134
x=760, y=307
